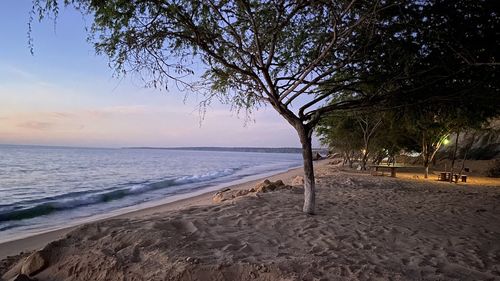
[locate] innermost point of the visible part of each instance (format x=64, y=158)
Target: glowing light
x=446, y=141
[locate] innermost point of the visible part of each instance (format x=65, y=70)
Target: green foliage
x=343, y=134
x=248, y=48
x=395, y=136
x=340, y=133
x=363, y=54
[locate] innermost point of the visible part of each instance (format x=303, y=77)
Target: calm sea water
x=43, y=188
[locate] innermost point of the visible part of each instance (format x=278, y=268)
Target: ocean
x=46, y=188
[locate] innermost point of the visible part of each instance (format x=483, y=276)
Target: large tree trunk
x=426, y=173
x=364, y=159
x=425, y=156
x=350, y=158
x=467, y=149
x=309, y=185
x=454, y=156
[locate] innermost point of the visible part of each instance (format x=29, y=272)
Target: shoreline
x=365, y=227
x=176, y=202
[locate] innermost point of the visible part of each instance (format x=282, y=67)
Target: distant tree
x=372, y=135
x=443, y=48
x=394, y=137
x=286, y=54
x=468, y=122
x=369, y=124
x=341, y=134
x=434, y=129
x=435, y=124
x=351, y=134
x=472, y=135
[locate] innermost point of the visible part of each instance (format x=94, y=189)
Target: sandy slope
x=366, y=228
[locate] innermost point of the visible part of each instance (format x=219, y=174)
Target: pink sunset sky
x=66, y=95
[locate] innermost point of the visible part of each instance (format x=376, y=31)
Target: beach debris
x=34, y=263
x=298, y=180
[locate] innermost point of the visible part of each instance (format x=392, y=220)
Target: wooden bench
x=445, y=176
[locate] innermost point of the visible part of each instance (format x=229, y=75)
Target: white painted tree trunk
x=309, y=184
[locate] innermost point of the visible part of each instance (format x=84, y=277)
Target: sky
x=67, y=95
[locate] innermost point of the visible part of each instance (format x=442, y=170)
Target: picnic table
x=393, y=169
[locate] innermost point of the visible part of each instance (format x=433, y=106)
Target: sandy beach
x=366, y=228
x=31, y=243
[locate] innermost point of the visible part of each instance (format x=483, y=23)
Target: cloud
x=152, y=125
x=36, y=125
x=115, y=110
x=61, y=115
x=17, y=72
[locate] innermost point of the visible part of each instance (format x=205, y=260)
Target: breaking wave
x=45, y=206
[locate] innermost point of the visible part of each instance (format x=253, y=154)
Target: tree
x=342, y=134
x=388, y=135
x=276, y=52
x=447, y=62
x=468, y=123
x=396, y=137
x=286, y=54
x=433, y=133
x=369, y=125
x=350, y=134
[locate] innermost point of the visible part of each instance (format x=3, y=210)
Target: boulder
x=34, y=263
x=263, y=187
x=242, y=192
x=221, y=195
x=267, y=186
x=298, y=180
